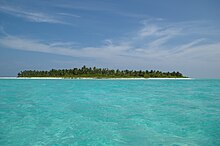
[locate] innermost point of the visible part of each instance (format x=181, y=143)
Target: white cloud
x=182, y=55
x=69, y=15
x=159, y=42
x=31, y=16
x=188, y=45
x=148, y=30
x=156, y=36
x=206, y=52
x=112, y=50
x=61, y=48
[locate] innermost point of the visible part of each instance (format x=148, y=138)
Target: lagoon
x=109, y=112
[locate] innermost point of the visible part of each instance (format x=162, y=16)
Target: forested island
x=88, y=72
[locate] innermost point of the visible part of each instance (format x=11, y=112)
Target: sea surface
x=109, y=112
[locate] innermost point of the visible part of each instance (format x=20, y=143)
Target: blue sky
x=126, y=34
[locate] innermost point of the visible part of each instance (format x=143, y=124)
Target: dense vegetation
x=99, y=73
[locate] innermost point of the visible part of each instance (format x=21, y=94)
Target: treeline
x=99, y=73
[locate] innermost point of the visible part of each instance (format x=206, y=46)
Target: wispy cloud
x=188, y=45
x=148, y=31
x=111, y=50
x=36, y=46
x=61, y=48
x=32, y=16
x=154, y=51
x=153, y=29
x=159, y=42
x=69, y=15
x=102, y=6
x=89, y=6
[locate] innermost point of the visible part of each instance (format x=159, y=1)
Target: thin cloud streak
x=189, y=45
x=69, y=15
x=159, y=42
x=110, y=51
x=32, y=16
x=102, y=7
x=158, y=31
x=60, y=48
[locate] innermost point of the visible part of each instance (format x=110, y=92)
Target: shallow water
x=109, y=112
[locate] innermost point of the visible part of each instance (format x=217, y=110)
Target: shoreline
x=87, y=78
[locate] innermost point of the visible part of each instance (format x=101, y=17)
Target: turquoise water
x=109, y=112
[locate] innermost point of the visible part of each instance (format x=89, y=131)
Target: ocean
x=109, y=112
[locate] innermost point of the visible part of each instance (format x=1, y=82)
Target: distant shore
x=87, y=78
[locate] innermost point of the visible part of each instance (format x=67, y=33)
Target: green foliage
x=99, y=73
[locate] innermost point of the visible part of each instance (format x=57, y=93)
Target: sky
x=171, y=35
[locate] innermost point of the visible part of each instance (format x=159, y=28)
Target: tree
x=98, y=73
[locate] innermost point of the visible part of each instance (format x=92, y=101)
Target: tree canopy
x=99, y=73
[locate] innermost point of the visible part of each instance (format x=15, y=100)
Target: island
x=93, y=72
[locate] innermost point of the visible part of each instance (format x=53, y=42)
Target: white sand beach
x=88, y=78
x=169, y=78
